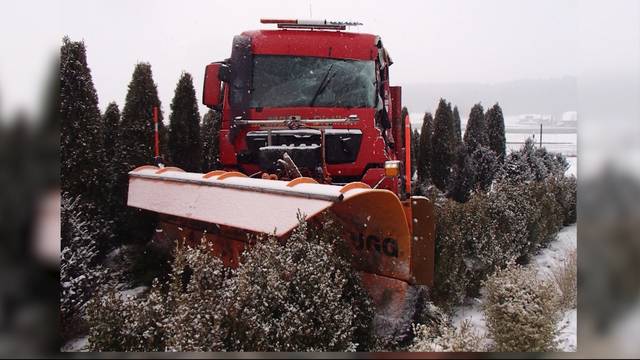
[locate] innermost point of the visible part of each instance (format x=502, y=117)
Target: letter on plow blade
x=388, y=247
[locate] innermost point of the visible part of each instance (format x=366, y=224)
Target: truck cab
x=315, y=92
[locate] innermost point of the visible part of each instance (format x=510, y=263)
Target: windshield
x=295, y=81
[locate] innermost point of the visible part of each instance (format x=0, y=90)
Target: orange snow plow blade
x=388, y=238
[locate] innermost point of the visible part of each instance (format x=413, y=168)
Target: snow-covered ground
x=573, y=166
x=77, y=345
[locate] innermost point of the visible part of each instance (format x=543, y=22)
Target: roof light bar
x=310, y=24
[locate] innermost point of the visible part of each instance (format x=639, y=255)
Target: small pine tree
x=136, y=147
x=457, y=127
x=443, y=149
x=415, y=146
x=209, y=133
x=184, y=126
x=136, y=141
x=82, y=155
x=495, y=131
x=476, y=133
x=425, y=149
x=403, y=115
x=111, y=121
x=82, y=162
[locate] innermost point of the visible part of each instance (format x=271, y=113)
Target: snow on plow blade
x=389, y=238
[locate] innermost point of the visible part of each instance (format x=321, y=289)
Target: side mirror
x=211, y=94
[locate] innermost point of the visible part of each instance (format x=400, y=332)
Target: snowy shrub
x=195, y=301
x=566, y=280
x=532, y=164
x=451, y=279
x=184, y=314
x=298, y=296
x=523, y=211
x=510, y=209
x=80, y=273
x=555, y=163
x=463, y=176
x=570, y=199
x=431, y=315
x=119, y=323
x=485, y=164
x=565, y=191
x=515, y=169
x=528, y=214
x=521, y=311
x=447, y=338
x=302, y=295
x=544, y=223
x=476, y=238
x=106, y=314
x=486, y=247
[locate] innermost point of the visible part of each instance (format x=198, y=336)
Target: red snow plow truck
x=309, y=124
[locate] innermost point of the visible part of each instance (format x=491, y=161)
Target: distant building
x=569, y=119
x=536, y=119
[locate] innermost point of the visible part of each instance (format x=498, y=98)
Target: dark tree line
x=98, y=150
x=458, y=165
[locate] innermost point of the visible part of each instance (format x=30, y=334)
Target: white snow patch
x=573, y=166
x=132, y=293
x=554, y=255
x=568, y=326
x=77, y=345
x=471, y=311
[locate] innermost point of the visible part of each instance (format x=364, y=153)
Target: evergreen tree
x=111, y=121
x=476, y=133
x=495, y=131
x=443, y=149
x=485, y=165
x=403, y=114
x=82, y=155
x=84, y=224
x=136, y=141
x=463, y=176
x=184, y=126
x=457, y=126
x=210, y=142
x=415, y=149
x=425, y=149
x=136, y=147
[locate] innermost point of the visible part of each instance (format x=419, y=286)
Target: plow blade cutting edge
x=391, y=241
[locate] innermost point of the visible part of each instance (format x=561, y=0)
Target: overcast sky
x=429, y=41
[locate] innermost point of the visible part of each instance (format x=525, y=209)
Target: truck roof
x=318, y=43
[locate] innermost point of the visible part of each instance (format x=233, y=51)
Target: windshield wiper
x=323, y=85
